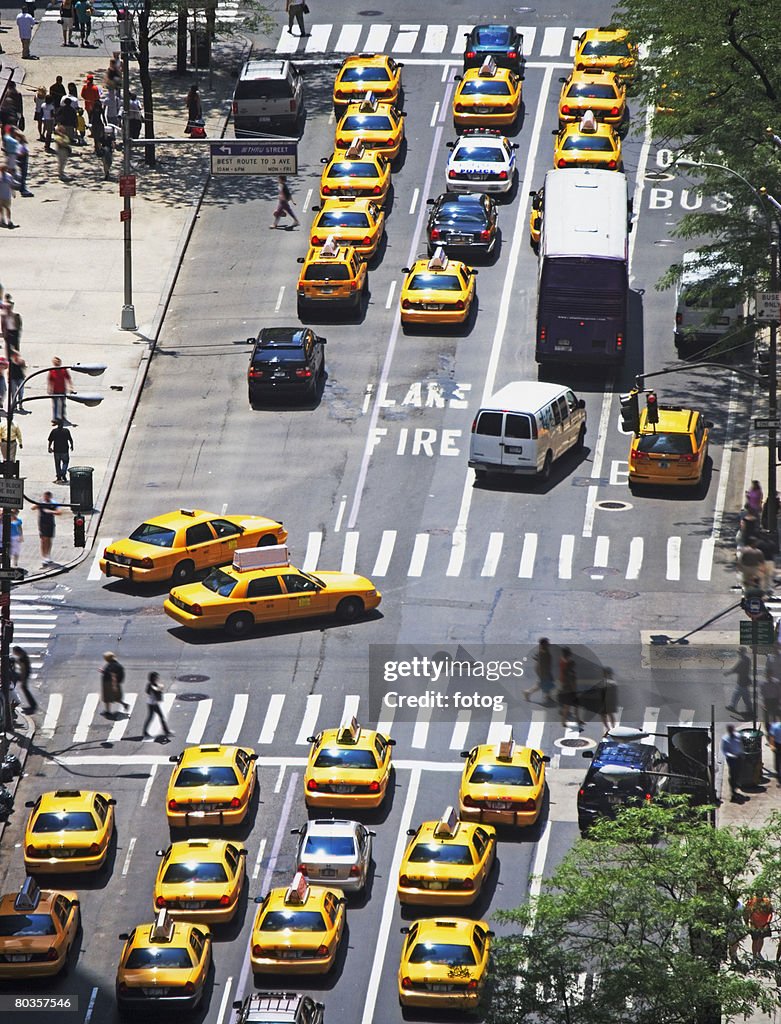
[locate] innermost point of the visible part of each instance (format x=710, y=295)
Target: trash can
x=751, y=768
x=200, y=47
x=81, y=488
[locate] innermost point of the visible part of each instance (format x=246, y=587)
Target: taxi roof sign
x=268, y=557
x=163, y=928
x=28, y=896
x=369, y=102
x=588, y=123
x=186, y=511
x=504, y=748
x=355, y=149
x=439, y=260
x=447, y=826
x=488, y=68
x=349, y=731
x=298, y=891
x=331, y=248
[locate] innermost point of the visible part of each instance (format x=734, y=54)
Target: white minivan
x=525, y=427
x=708, y=304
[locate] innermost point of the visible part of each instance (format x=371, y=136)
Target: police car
x=481, y=160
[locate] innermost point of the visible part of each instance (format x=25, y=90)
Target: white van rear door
x=487, y=437
x=519, y=443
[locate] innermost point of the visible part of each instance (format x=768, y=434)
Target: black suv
x=602, y=795
x=501, y=42
x=285, y=360
x=281, y=1007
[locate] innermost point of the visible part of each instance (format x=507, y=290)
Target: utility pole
x=125, y=26
x=10, y=470
x=772, y=503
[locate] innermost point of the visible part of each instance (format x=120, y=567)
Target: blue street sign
x=258, y=156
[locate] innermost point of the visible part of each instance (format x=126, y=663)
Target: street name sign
x=11, y=492
x=261, y=156
x=754, y=607
x=768, y=306
x=16, y=572
x=759, y=634
x=767, y=424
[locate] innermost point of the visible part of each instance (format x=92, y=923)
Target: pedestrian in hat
x=112, y=676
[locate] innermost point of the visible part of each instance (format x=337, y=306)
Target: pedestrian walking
x=194, y=108
x=65, y=116
x=97, y=124
x=112, y=676
x=608, y=704
x=90, y=94
x=733, y=753
x=752, y=565
x=16, y=379
x=284, y=199
x=66, y=22
x=11, y=108
x=11, y=323
x=543, y=668
x=568, y=687
x=83, y=12
x=11, y=151
x=742, y=671
x=135, y=115
x=47, y=121
x=25, y=23
x=60, y=445
x=755, y=498
x=17, y=536
x=57, y=91
x=47, y=511
x=105, y=150
x=758, y=914
x=22, y=160
x=23, y=676
x=774, y=738
x=6, y=197
x=63, y=148
x=9, y=451
x=40, y=97
x=296, y=9
x=154, y=700
x=59, y=384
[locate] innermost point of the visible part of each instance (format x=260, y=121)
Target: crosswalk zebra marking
x=85, y=718
x=435, y=38
x=566, y=553
x=94, y=572
x=288, y=43
x=377, y=39
x=53, y=709
x=318, y=38
x=313, y=544
x=686, y=717
x=536, y=726
x=496, y=726
x=601, y=554
x=705, y=561
x=673, y=558
x=350, y=553
x=387, y=543
x=406, y=38
x=552, y=41
x=459, y=43
x=352, y=702
x=493, y=554
x=460, y=731
x=635, y=562
x=418, y=558
x=650, y=722
x=200, y=718
x=273, y=713
x=309, y=721
x=119, y=728
x=528, y=555
x=420, y=732
x=235, y=719
x=348, y=38
x=529, y=33
x=385, y=724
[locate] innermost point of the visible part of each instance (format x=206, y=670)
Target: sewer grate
x=618, y=595
x=574, y=741
x=612, y=506
x=191, y=677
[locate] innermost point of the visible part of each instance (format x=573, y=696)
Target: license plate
x=664, y=464
x=477, y=176
x=326, y=291
x=512, y=449
x=498, y=805
x=483, y=110
x=343, y=789
x=280, y=373
x=437, y=886
x=151, y=992
x=431, y=305
x=192, y=904
x=17, y=958
x=199, y=807
x=440, y=988
x=264, y=120
x=459, y=239
x=327, y=873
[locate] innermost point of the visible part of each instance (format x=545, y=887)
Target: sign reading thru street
x=261, y=156
x=767, y=424
x=16, y=572
x=768, y=306
x=761, y=634
x=11, y=491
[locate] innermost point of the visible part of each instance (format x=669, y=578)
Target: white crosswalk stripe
x=313, y=702
x=318, y=39
x=435, y=38
x=492, y=555
x=673, y=558
x=552, y=41
x=348, y=39
x=198, y=727
x=377, y=39
x=384, y=553
x=460, y=731
x=236, y=719
x=350, y=551
x=271, y=721
x=418, y=558
x=119, y=728
x=566, y=552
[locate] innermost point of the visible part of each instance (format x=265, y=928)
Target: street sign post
x=260, y=156
x=755, y=609
x=768, y=307
x=11, y=492
x=765, y=423
x=16, y=572
x=757, y=634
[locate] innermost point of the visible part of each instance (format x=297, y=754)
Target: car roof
x=605, y=34
x=259, y=69
x=528, y=396
x=181, y=517
x=68, y=800
x=199, y=849
x=488, y=753
x=315, y=895
x=44, y=904
x=282, y=337
x=672, y=421
x=343, y=255
x=274, y=1006
x=365, y=58
x=179, y=937
x=446, y=929
x=348, y=203
x=369, y=156
x=472, y=73
x=363, y=742
x=209, y=754
x=422, y=265
x=331, y=827
x=462, y=198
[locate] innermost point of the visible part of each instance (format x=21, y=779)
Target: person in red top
x=758, y=914
x=58, y=384
x=90, y=94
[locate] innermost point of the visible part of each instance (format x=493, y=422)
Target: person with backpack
x=154, y=698
x=284, y=199
x=112, y=677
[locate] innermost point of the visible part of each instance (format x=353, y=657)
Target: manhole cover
x=192, y=697
x=191, y=677
x=659, y=176
x=618, y=595
x=574, y=741
x=612, y=506
x=369, y=14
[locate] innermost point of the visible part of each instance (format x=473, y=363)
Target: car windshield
x=435, y=282
x=612, y=48
x=480, y=154
x=343, y=219
x=195, y=871
x=442, y=953
x=148, y=533
x=329, y=846
x=293, y=920
x=493, y=35
x=440, y=853
x=368, y=123
x=592, y=143
x=366, y=74
x=26, y=924
x=484, y=87
x=220, y=582
x=206, y=775
x=662, y=443
x=327, y=272
x=159, y=956
x=501, y=775
x=346, y=757
x=591, y=90
x=352, y=169
x=65, y=821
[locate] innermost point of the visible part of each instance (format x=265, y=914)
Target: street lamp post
x=125, y=26
x=9, y=470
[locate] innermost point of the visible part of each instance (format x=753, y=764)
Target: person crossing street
x=154, y=700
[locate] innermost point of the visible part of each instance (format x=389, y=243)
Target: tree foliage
x=634, y=924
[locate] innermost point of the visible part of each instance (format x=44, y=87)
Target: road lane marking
x=91, y=1005
x=387, y=543
x=536, y=726
x=434, y=115
x=259, y=859
x=280, y=294
x=598, y=455
x=420, y=732
x=601, y=552
x=85, y=718
x=53, y=709
x=377, y=39
x=705, y=561
x=460, y=730
x=415, y=196
x=307, y=201
x=529, y=34
x=130, y=847
x=724, y=472
x=224, y=508
x=538, y=869
x=271, y=721
x=236, y=719
x=635, y=563
x=686, y=717
x=461, y=31
x=313, y=545
x=318, y=38
x=435, y=38
x=496, y=726
x=280, y=778
x=225, y=998
x=340, y=514
x=309, y=721
x=288, y=43
x=528, y=554
x=552, y=41
x=385, y=724
x=406, y=38
x=119, y=728
x=566, y=551
x=350, y=553
x=94, y=572
x=493, y=554
x=673, y=558
x=200, y=718
x=389, y=300
x=458, y=548
x=418, y=558
x=387, y=918
x=161, y=761
x=148, y=785
x=352, y=702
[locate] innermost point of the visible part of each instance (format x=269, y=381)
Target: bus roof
x=586, y=214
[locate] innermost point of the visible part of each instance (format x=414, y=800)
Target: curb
x=24, y=742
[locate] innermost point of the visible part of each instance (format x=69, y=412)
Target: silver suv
x=268, y=93
x=279, y=1008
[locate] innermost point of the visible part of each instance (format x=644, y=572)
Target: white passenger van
x=525, y=427
x=708, y=303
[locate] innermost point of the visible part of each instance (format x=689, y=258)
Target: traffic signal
x=630, y=413
x=651, y=408
x=79, y=540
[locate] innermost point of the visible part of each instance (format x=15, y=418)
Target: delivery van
x=708, y=305
x=525, y=427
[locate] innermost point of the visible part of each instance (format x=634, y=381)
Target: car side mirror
x=159, y=853
x=405, y=270
x=258, y=899
x=465, y=753
x=399, y=64
x=404, y=931
x=174, y=758
x=123, y=936
x=555, y=131
x=514, y=145
x=237, y=1004
x=300, y=259
x=323, y=341
x=29, y=803
x=112, y=802
x=390, y=742
x=243, y=853
x=402, y=113
x=546, y=758
x=582, y=403
x=320, y=1006
x=533, y=194
x=458, y=78
x=253, y=757
x=251, y=341
x=490, y=934
x=324, y=159
x=411, y=831
x=311, y=739
x=522, y=77
x=317, y=209
x=588, y=754
x=75, y=903
x=562, y=79
x=708, y=425
x=473, y=272
x=450, y=145
x=430, y=202
x=295, y=831
x=371, y=833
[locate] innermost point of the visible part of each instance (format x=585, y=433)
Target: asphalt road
x=375, y=476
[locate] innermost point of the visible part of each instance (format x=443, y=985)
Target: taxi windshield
x=220, y=582
x=26, y=924
x=484, y=87
x=501, y=775
x=442, y=953
x=195, y=871
x=481, y=154
x=343, y=219
x=592, y=143
x=352, y=169
x=206, y=775
x=65, y=821
x=159, y=956
x=329, y=846
x=368, y=122
x=440, y=853
x=436, y=282
x=665, y=444
x=346, y=757
x=148, y=533
x=293, y=920
x=606, y=48
x=592, y=90
x=366, y=74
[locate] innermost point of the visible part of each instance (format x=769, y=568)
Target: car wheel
x=253, y=402
x=301, y=310
x=349, y=609
x=581, y=439
x=544, y=473
x=481, y=475
x=239, y=624
x=183, y=572
x=321, y=371
x=268, y=540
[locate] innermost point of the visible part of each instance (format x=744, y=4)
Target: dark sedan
x=462, y=221
x=285, y=361
x=501, y=42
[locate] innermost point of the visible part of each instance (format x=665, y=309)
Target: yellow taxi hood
x=344, y=580
x=138, y=549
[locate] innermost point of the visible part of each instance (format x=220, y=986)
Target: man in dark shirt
x=57, y=91
x=65, y=118
x=47, y=510
x=61, y=445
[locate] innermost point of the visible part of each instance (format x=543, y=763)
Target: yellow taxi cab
x=38, y=928
x=589, y=143
x=68, y=830
x=367, y=71
x=672, y=451
x=437, y=291
x=347, y=767
x=359, y=223
x=502, y=783
x=262, y=586
x=608, y=49
x=174, y=545
x=379, y=126
x=200, y=880
x=165, y=963
x=599, y=91
x=535, y=217
x=332, y=275
x=361, y=172
x=447, y=861
x=488, y=95
x=444, y=963
x=211, y=785
x=297, y=930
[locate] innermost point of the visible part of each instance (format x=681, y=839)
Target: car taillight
x=311, y=785
x=234, y=108
x=341, y=94
x=366, y=240
x=374, y=787
x=581, y=792
x=619, y=341
x=342, y=143
x=123, y=989
x=235, y=802
x=225, y=901
x=406, y=983
x=257, y=374
x=614, y=111
x=470, y=54
x=326, y=190
x=435, y=233
x=314, y=240
x=467, y=883
x=678, y=319
x=404, y=881
x=687, y=458
x=376, y=190
x=469, y=801
x=189, y=987
x=302, y=371
x=173, y=805
x=503, y=175
x=389, y=142
x=257, y=950
x=485, y=235
x=566, y=109
x=322, y=950
x=459, y=304
x=526, y=805
x=353, y=286
x=611, y=165
x=51, y=953
x=196, y=609
x=474, y=424
x=543, y=333
x=512, y=54
x=94, y=848
x=452, y=174
x=292, y=106
x=160, y=901
x=355, y=871
x=471, y=984
x=303, y=869
x=146, y=563
x=562, y=163
x=406, y=304
x=459, y=106
x=639, y=456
